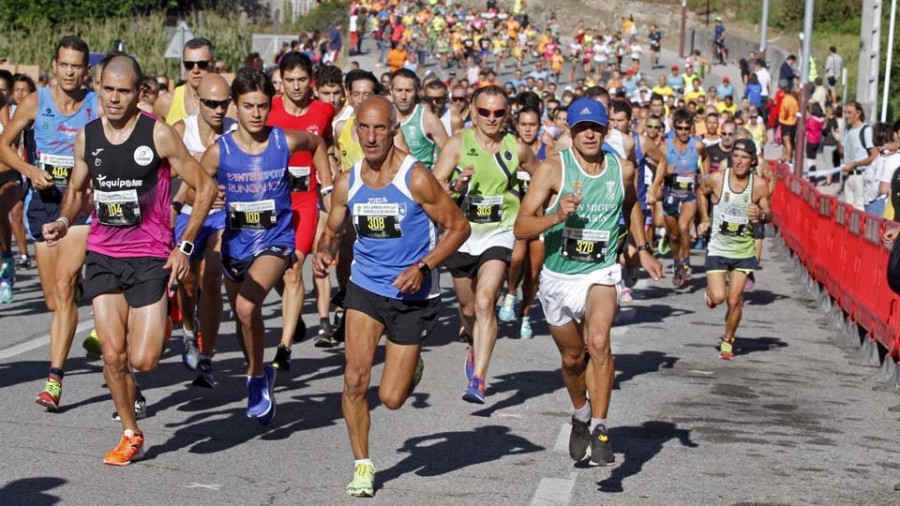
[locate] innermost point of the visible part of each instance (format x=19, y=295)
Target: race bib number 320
x=252, y=215
x=59, y=167
x=118, y=209
x=377, y=221
x=583, y=245
x=481, y=209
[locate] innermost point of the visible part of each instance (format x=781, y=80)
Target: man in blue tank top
x=56, y=113
x=396, y=207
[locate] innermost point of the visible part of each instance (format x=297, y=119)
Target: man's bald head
x=380, y=105
x=122, y=65
x=214, y=86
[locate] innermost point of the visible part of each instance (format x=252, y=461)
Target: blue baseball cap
x=589, y=110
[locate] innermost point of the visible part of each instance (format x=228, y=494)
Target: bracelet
x=325, y=191
x=64, y=220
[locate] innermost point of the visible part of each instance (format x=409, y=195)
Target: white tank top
x=615, y=140
x=345, y=114
x=191, y=136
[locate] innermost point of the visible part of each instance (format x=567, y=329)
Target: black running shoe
x=601, y=450
x=325, y=339
x=140, y=408
x=282, y=360
x=23, y=262
x=579, y=440
x=338, y=326
x=204, y=374
x=300, y=331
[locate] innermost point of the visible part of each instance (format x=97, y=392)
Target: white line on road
x=38, y=342
x=207, y=487
x=554, y=491
x=562, y=440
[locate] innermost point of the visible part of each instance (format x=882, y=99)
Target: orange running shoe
x=130, y=449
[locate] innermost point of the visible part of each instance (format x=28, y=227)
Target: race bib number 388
x=118, y=209
x=377, y=221
x=584, y=245
x=59, y=167
x=252, y=215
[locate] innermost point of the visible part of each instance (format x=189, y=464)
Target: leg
x=673, y=231
x=569, y=340
x=323, y=285
x=70, y=254
x=715, y=287
x=532, y=274
x=397, y=377
x=600, y=310
x=517, y=261
x=484, y=333
x=260, y=279
x=111, y=323
x=292, y=300
x=685, y=221
x=17, y=217
x=187, y=297
x=210, y=306
x=465, y=294
x=735, y=303
x=363, y=334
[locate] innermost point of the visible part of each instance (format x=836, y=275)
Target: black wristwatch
x=177, y=207
x=645, y=247
x=423, y=267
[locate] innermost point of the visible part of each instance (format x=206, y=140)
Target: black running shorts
x=464, y=265
x=406, y=322
x=142, y=280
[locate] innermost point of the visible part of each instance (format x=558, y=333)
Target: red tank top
x=317, y=120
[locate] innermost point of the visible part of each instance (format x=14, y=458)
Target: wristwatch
x=645, y=247
x=423, y=267
x=186, y=247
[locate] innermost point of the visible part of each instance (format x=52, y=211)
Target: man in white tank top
x=198, y=133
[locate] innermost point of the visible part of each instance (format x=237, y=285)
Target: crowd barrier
x=841, y=250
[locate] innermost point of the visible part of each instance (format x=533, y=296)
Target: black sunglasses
x=215, y=104
x=487, y=113
x=203, y=65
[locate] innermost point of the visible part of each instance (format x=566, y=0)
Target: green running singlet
x=420, y=146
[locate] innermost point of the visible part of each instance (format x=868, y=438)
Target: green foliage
x=25, y=14
x=322, y=17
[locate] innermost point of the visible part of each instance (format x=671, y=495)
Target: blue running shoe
x=270, y=378
x=470, y=363
x=525, y=331
x=6, y=295
x=260, y=401
x=475, y=391
x=508, y=309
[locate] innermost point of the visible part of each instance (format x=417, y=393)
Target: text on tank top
x=54, y=138
x=317, y=121
x=731, y=231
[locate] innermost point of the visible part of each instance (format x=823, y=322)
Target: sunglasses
x=458, y=99
x=682, y=128
x=727, y=134
x=654, y=127
x=495, y=113
x=215, y=104
x=435, y=99
x=202, y=65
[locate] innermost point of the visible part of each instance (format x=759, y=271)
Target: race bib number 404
x=118, y=209
x=59, y=167
x=377, y=221
x=583, y=245
x=258, y=215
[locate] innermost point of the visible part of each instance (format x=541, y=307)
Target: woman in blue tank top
x=251, y=164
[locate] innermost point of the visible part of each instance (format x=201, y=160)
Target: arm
x=78, y=183
x=428, y=193
x=634, y=221
x=331, y=236
x=434, y=129
x=162, y=105
x=25, y=114
x=703, y=193
x=531, y=222
x=760, y=211
x=704, y=158
x=304, y=141
x=527, y=161
x=446, y=163
x=652, y=151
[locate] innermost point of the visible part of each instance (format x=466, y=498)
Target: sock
x=596, y=422
x=583, y=413
x=325, y=324
x=188, y=334
x=57, y=374
x=362, y=461
x=677, y=264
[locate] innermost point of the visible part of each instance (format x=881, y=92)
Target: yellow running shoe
x=91, y=344
x=363, y=484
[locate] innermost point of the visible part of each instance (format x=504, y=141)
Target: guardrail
x=844, y=261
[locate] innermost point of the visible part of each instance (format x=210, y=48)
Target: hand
x=179, y=264
x=703, y=228
x=41, y=179
x=650, y=264
x=321, y=264
x=409, y=281
x=463, y=180
x=889, y=235
x=567, y=205
x=219, y=202
x=54, y=231
x=754, y=212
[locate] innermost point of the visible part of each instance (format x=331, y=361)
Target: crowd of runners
x=143, y=199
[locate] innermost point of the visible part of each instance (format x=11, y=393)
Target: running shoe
x=204, y=377
x=417, y=374
x=475, y=391
x=300, y=331
x=140, y=408
x=270, y=378
x=325, y=339
x=630, y=276
x=579, y=440
x=677, y=278
x=363, y=484
x=662, y=246
x=130, y=449
x=709, y=302
x=23, y=262
x=91, y=345
x=627, y=297
x=49, y=398
x=282, y=360
x=260, y=398
x=6, y=295
x=470, y=363
x=751, y=282
x=464, y=336
x=601, y=450
x=338, y=326
x=508, y=308
x=686, y=271
x=726, y=350
x=8, y=269
x=525, y=331
x=190, y=354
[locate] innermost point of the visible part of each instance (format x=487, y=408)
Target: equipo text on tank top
x=393, y=232
x=54, y=138
x=588, y=240
x=491, y=199
x=257, y=196
x=731, y=231
x=420, y=146
x=131, y=193
x=304, y=180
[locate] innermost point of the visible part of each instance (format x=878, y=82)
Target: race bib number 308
x=252, y=215
x=583, y=245
x=59, y=167
x=377, y=221
x=118, y=209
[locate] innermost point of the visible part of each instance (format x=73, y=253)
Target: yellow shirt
x=351, y=151
x=177, y=112
x=692, y=95
x=665, y=91
x=722, y=107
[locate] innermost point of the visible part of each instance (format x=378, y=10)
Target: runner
x=198, y=133
x=56, y=112
x=197, y=58
x=420, y=127
x=720, y=152
x=11, y=193
x=528, y=254
x=488, y=188
x=588, y=189
x=684, y=154
x=738, y=199
x=127, y=158
x=252, y=163
x=295, y=109
x=397, y=207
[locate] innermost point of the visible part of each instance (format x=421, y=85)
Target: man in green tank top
x=479, y=166
x=585, y=190
x=419, y=126
x=739, y=201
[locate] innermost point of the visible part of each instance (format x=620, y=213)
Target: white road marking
x=562, y=439
x=38, y=342
x=554, y=491
x=207, y=487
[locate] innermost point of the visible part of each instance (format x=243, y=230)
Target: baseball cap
x=674, y=67
x=629, y=72
x=587, y=110
x=726, y=80
x=745, y=145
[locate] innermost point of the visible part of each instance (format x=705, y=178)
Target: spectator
x=858, y=151
x=765, y=83
x=334, y=37
x=720, y=53
x=834, y=65
x=786, y=74
x=876, y=192
x=787, y=120
x=753, y=92
x=819, y=94
x=815, y=122
x=361, y=20
x=892, y=171
x=725, y=89
x=655, y=46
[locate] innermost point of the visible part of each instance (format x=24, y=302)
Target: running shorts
x=142, y=279
x=564, y=296
x=213, y=223
x=306, y=217
x=673, y=200
x=406, y=322
x=235, y=269
x=722, y=264
x=464, y=265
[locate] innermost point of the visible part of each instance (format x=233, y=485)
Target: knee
x=64, y=291
x=356, y=380
x=598, y=343
x=293, y=276
x=484, y=305
x=244, y=310
x=114, y=361
x=392, y=398
x=145, y=361
x=573, y=364
x=735, y=301
x=716, y=297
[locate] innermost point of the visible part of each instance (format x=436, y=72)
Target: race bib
x=733, y=226
x=59, y=167
x=377, y=221
x=583, y=245
x=524, y=179
x=481, y=209
x=685, y=183
x=299, y=179
x=118, y=208
x=252, y=215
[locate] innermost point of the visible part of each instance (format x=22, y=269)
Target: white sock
x=188, y=334
x=597, y=421
x=362, y=461
x=583, y=413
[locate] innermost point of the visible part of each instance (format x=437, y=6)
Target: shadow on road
x=31, y=491
x=525, y=385
x=629, y=366
x=443, y=453
x=746, y=346
x=639, y=445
